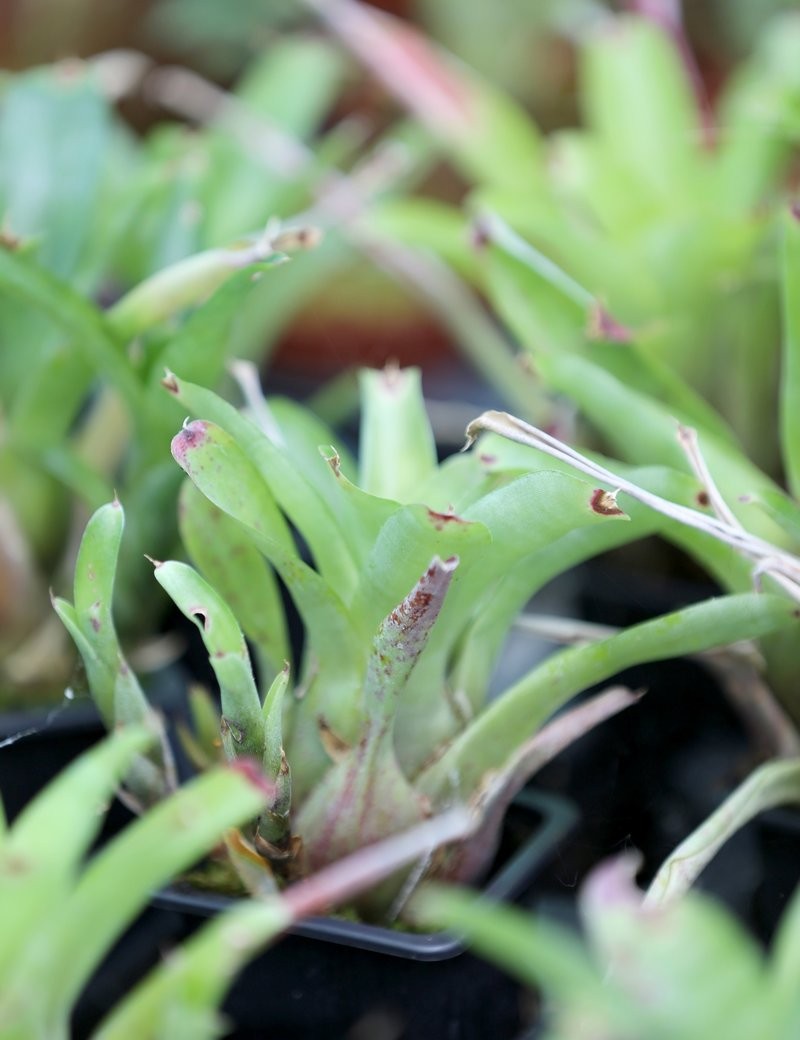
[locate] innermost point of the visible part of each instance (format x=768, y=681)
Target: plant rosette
x=407, y=575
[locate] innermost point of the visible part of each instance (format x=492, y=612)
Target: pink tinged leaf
x=405, y=62
x=611, y=886
x=469, y=861
x=191, y=437
x=250, y=769
x=365, y=796
x=402, y=636
x=341, y=881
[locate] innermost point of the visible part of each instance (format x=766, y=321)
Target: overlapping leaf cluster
x=107, y=240
x=407, y=576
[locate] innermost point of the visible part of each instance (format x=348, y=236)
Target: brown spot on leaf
x=703, y=499
x=15, y=864
x=479, y=235
x=10, y=241
x=335, y=462
x=441, y=520
x=602, y=326
x=794, y=209
x=605, y=503
x=335, y=747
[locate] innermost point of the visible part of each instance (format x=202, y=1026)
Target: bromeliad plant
x=659, y=209
x=407, y=576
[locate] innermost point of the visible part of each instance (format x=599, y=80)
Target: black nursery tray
x=548, y=820
x=335, y=978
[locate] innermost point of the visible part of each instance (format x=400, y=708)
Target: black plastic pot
x=334, y=978
x=36, y=745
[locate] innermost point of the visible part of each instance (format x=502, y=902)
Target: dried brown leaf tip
x=291, y=240
x=170, y=381
x=9, y=241
x=602, y=326
x=331, y=456
x=605, y=503
x=441, y=520
x=335, y=747
x=393, y=376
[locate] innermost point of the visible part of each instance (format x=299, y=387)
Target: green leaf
x=485, y=131
x=551, y=316
x=114, y=687
x=397, y=447
x=47, y=400
x=178, y=1002
x=242, y=728
x=297, y=496
x=639, y=103
x=199, y=350
x=644, y=432
x=772, y=784
x=335, y=654
x=118, y=881
x=54, y=136
x=224, y=552
x=64, y=816
x=790, y=376
x=365, y=797
x=291, y=86
x=184, y=284
x=534, y=951
x=26, y=282
x=495, y=733
x=657, y=957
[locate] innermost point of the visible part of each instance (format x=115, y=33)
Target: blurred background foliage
x=524, y=46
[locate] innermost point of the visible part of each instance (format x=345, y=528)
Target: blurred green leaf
x=54, y=135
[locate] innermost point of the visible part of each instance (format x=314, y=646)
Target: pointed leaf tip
x=602, y=326
x=193, y=434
